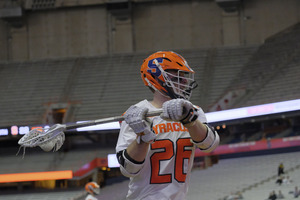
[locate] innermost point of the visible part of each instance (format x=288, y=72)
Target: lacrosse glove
x=180, y=110
x=135, y=117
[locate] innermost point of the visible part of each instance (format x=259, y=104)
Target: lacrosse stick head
x=46, y=138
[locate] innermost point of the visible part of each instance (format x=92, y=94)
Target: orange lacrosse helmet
x=92, y=188
x=168, y=73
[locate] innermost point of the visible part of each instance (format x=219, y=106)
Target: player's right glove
x=135, y=117
x=180, y=110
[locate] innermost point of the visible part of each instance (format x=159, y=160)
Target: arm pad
x=210, y=142
x=128, y=166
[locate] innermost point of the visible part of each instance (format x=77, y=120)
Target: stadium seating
x=271, y=74
x=246, y=174
x=107, y=85
x=27, y=87
x=103, y=86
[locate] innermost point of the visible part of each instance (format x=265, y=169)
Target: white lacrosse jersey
x=166, y=171
x=90, y=197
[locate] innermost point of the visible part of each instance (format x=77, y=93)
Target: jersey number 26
x=181, y=155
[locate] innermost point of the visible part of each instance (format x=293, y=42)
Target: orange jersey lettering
x=169, y=127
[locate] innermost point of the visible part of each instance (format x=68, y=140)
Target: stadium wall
x=147, y=25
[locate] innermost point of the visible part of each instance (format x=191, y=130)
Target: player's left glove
x=135, y=117
x=180, y=110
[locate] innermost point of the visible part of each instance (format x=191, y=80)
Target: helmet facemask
x=178, y=83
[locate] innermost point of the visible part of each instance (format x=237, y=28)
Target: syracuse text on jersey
x=169, y=127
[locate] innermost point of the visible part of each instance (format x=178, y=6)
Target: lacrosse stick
x=53, y=137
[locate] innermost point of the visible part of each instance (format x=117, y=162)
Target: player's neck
x=158, y=100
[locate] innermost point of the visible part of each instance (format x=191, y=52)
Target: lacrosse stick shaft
x=107, y=120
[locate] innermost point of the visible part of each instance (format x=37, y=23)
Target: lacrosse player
x=157, y=153
x=92, y=189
